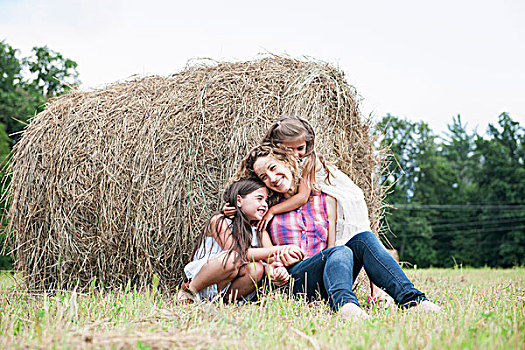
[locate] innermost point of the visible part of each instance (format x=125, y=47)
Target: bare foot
x=185, y=295
x=428, y=306
x=352, y=312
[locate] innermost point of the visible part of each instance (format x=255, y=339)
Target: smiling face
x=275, y=174
x=254, y=205
x=297, y=146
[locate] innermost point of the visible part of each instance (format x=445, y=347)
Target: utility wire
x=478, y=223
x=458, y=206
x=460, y=246
x=463, y=232
x=477, y=217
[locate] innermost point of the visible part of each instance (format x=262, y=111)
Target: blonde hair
x=290, y=127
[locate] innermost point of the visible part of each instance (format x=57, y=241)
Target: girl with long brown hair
x=229, y=255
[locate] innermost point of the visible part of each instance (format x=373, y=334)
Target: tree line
x=26, y=84
x=456, y=199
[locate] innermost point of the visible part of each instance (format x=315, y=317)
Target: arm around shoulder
x=294, y=202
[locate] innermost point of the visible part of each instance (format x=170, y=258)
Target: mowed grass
x=482, y=309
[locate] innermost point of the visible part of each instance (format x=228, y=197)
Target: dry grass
x=114, y=184
x=482, y=309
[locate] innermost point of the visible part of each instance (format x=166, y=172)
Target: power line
x=479, y=223
x=460, y=246
x=463, y=232
x=480, y=230
x=459, y=206
x=477, y=217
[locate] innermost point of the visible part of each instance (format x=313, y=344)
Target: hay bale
x=116, y=183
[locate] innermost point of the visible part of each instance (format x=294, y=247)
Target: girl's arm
x=225, y=240
x=267, y=251
x=331, y=211
x=287, y=254
x=292, y=203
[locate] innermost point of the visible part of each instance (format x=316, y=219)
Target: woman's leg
x=328, y=273
x=249, y=276
x=382, y=269
x=338, y=278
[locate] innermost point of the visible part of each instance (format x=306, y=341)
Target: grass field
x=482, y=309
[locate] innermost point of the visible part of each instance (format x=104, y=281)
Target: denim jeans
x=332, y=272
x=327, y=274
x=382, y=269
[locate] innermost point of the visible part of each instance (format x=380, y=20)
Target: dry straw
x=113, y=185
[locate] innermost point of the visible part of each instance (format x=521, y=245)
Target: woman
x=328, y=271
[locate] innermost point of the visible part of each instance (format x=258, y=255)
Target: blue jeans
x=382, y=269
x=332, y=272
x=327, y=274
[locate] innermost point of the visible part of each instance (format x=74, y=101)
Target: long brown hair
x=290, y=127
x=240, y=227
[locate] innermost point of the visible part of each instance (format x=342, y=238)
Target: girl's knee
x=231, y=265
x=255, y=270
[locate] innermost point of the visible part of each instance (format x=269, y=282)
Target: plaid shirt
x=306, y=227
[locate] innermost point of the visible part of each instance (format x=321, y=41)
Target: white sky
x=424, y=60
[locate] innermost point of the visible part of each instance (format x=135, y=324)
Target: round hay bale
x=115, y=184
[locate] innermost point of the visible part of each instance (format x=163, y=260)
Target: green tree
x=398, y=135
x=500, y=186
x=16, y=102
x=458, y=149
x=460, y=198
x=53, y=73
x=426, y=179
x=27, y=82
x=414, y=166
x=25, y=85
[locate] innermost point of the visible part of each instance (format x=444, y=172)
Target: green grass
x=482, y=308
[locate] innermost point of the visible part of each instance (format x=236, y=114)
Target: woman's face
x=254, y=205
x=275, y=174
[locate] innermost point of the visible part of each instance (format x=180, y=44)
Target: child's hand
x=264, y=221
x=278, y=275
x=229, y=211
x=290, y=254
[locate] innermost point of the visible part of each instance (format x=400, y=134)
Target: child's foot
x=428, y=306
x=185, y=295
x=352, y=312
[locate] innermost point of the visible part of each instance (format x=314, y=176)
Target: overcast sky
x=424, y=60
